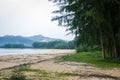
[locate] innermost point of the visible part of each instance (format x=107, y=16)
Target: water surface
x=4, y=51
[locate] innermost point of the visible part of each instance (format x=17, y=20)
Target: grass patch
x=42, y=72
x=16, y=74
x=93, y=58
x=44, y=75
x=64, y=74
x=24, y=72
x=38, y=74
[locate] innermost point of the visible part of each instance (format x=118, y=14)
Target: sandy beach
x=9, y=61
x=47, y=62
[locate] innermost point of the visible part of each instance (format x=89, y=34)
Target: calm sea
x=22, y=51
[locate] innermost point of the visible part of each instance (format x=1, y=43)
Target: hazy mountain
x=40, y=38
x=24, y=40
x=15, y=40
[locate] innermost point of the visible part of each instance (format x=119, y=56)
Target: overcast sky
x=29, y=17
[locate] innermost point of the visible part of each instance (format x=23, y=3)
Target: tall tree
x=94, y=22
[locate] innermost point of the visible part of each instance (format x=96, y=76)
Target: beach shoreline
x=9, y=61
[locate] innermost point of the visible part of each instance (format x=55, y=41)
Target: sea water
x=11, y=51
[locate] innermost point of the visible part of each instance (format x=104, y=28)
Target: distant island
x=37, y=41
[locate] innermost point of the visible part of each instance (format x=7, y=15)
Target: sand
x=47, y=62
x=85, y=71
x=9, y=61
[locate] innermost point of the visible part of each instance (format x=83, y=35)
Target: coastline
x=9, y=61
x=14, y=51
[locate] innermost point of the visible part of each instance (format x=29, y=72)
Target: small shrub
x=17, y=77
x=17, y=74
x=85, y=48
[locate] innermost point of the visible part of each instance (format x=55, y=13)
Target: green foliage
x=71, y=44
x=64, y=74
x=92, y=58
x=17, y=77
x=44, y=75
x=54, y=45
x=82, y=49
x=43, y=72
x=39, y=44
x=13, y=46
x=85, y=48
x=17, y=74
x=92, y=22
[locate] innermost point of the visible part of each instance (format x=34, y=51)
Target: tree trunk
x=114, y=45
x=110, y=49
x=102, y=44
x=112, y=36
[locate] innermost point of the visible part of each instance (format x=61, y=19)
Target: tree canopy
x=13, y=46
x=94, y=22
x=54, y=45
